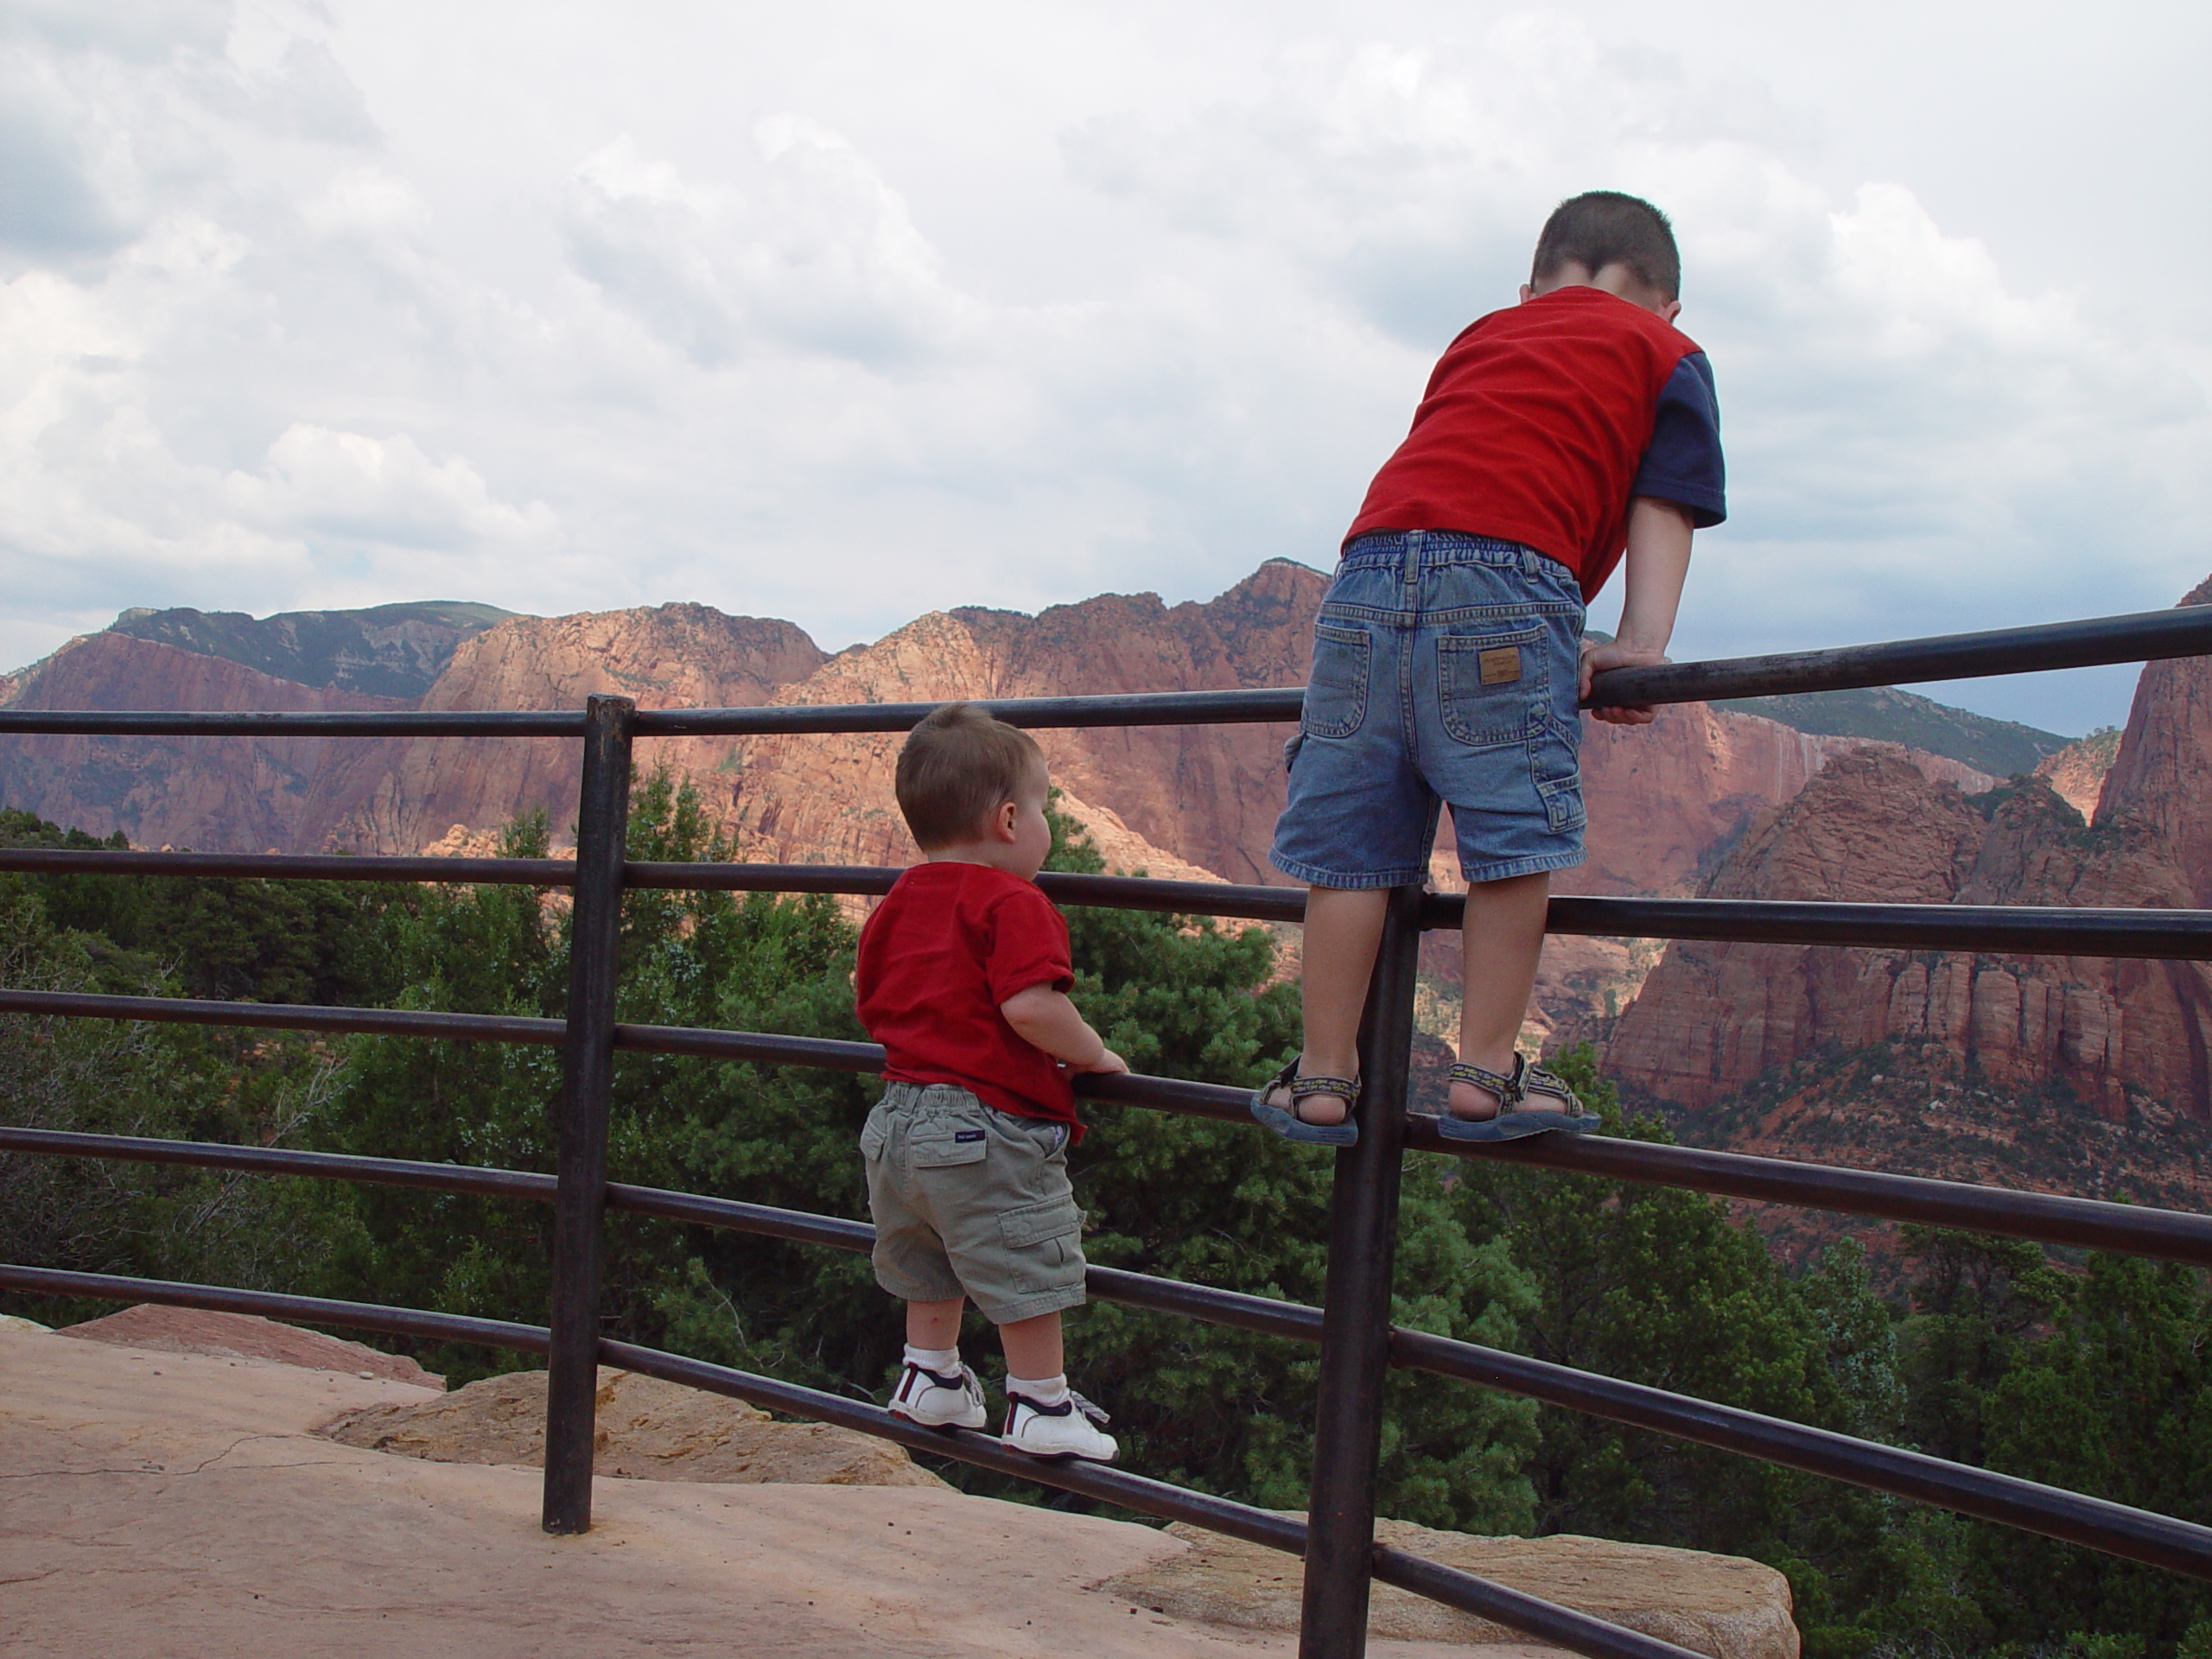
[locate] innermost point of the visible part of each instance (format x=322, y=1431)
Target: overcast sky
x=846, y=312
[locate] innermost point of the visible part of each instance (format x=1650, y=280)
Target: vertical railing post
x=1356, y=1312
x=587, y=1083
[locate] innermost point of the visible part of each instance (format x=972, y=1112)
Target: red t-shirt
x=947, y=946
x=1532, y=427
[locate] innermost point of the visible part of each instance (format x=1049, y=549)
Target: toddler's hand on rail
x=1107, y=1062
x=1600, y=655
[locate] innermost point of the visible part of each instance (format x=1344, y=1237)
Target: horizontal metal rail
x=289, y=867
x=271, y=1305
x=2047, y=1218
x=1228, y=707
x=2116, y=1529
x=1578, y=1630
x=2019, y=930
x=287, y=1016
x=2012, y=929
x=396, y=722
x=2148, y=636
x=283, y=1160
x=2141, y=636
x=1515, y=1609
x=1224, y=707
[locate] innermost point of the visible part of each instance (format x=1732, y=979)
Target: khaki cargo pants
x=971, y=1201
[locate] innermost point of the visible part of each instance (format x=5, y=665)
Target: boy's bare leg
x=934, y=1325
x=1504, y=939
x=1033, y=1347
x=1344, y=928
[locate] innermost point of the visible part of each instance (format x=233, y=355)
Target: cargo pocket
x=1491, y=688
x=1336, y=692
x=872, y=1136
x=1562, y=798
x=1033, y=1224
x=1554, y=761
x=947, y=1148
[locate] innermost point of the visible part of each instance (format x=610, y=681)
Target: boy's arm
x=1657, y=563
x=1046, y=1017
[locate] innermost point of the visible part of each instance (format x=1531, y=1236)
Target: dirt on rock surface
x=246, y=1335
x=1717, y=1604
x=170, y=1505
x=647, y=1429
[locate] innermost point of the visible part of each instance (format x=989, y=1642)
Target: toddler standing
x=1554, y=436
x=963, y=976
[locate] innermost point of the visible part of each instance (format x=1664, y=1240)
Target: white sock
x=1043, y=1390
x=945, y=1361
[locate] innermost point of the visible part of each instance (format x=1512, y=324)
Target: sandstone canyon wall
x=227, y=794
x=1666, y=801
x=1712, y=1018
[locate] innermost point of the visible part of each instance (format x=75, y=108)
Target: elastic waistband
x=1429, y=548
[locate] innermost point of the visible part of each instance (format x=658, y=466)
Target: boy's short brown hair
x=957, y=767
x=1604, y=227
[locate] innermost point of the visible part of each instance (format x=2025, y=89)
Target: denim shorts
x=1445, y=670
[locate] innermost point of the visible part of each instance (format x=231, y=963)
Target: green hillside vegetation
x=2001, y=748
x=2094, y=1376
x=389, y=651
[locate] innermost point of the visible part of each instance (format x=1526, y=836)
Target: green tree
x=1660, y=1286
x=2112, y=1402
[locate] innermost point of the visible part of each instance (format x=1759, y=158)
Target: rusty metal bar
x=587, y=1090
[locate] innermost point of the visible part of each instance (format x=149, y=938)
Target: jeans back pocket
x=1492, y=688
x=1336, y=692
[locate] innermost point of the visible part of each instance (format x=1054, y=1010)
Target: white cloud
x=378, y=491
x=843, y=318
x=810, y=249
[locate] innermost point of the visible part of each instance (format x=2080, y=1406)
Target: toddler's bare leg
x=1344, y=926
x=1504, y=939
x=934, y=1325
x=1033, y=1347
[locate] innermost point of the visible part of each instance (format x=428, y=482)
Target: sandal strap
x=1535, y=1080
x=1344, y=1089
x=1509, y=1090
x=1513, y=1092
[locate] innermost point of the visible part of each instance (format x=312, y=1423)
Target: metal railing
x=1358, y=1343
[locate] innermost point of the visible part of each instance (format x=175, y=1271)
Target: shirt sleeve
x=1683, y=462
x=1029, y=946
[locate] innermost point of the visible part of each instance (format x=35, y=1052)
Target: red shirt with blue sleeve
x=1542, y=420
x=948, y=945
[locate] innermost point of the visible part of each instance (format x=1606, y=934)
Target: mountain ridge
x=389, y=651
x=393, y=654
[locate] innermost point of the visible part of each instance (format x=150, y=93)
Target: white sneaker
x=936, y=1401
x=1071, y=1429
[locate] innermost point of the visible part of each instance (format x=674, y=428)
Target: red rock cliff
x=215, y=794
x=1713, y=1017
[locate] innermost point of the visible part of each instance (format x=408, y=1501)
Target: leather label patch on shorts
x=1500, y=666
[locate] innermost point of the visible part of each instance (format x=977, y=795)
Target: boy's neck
x=990, y=854
x=1618, y=279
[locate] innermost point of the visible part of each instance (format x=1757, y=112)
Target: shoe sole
x=1290, y=1127
x=947, y=1424
x=1056, y=1456
x=1511, y=1126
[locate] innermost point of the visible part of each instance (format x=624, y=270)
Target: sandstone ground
x=159, y=1504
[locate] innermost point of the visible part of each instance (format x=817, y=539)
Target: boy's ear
x=1004, y=817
